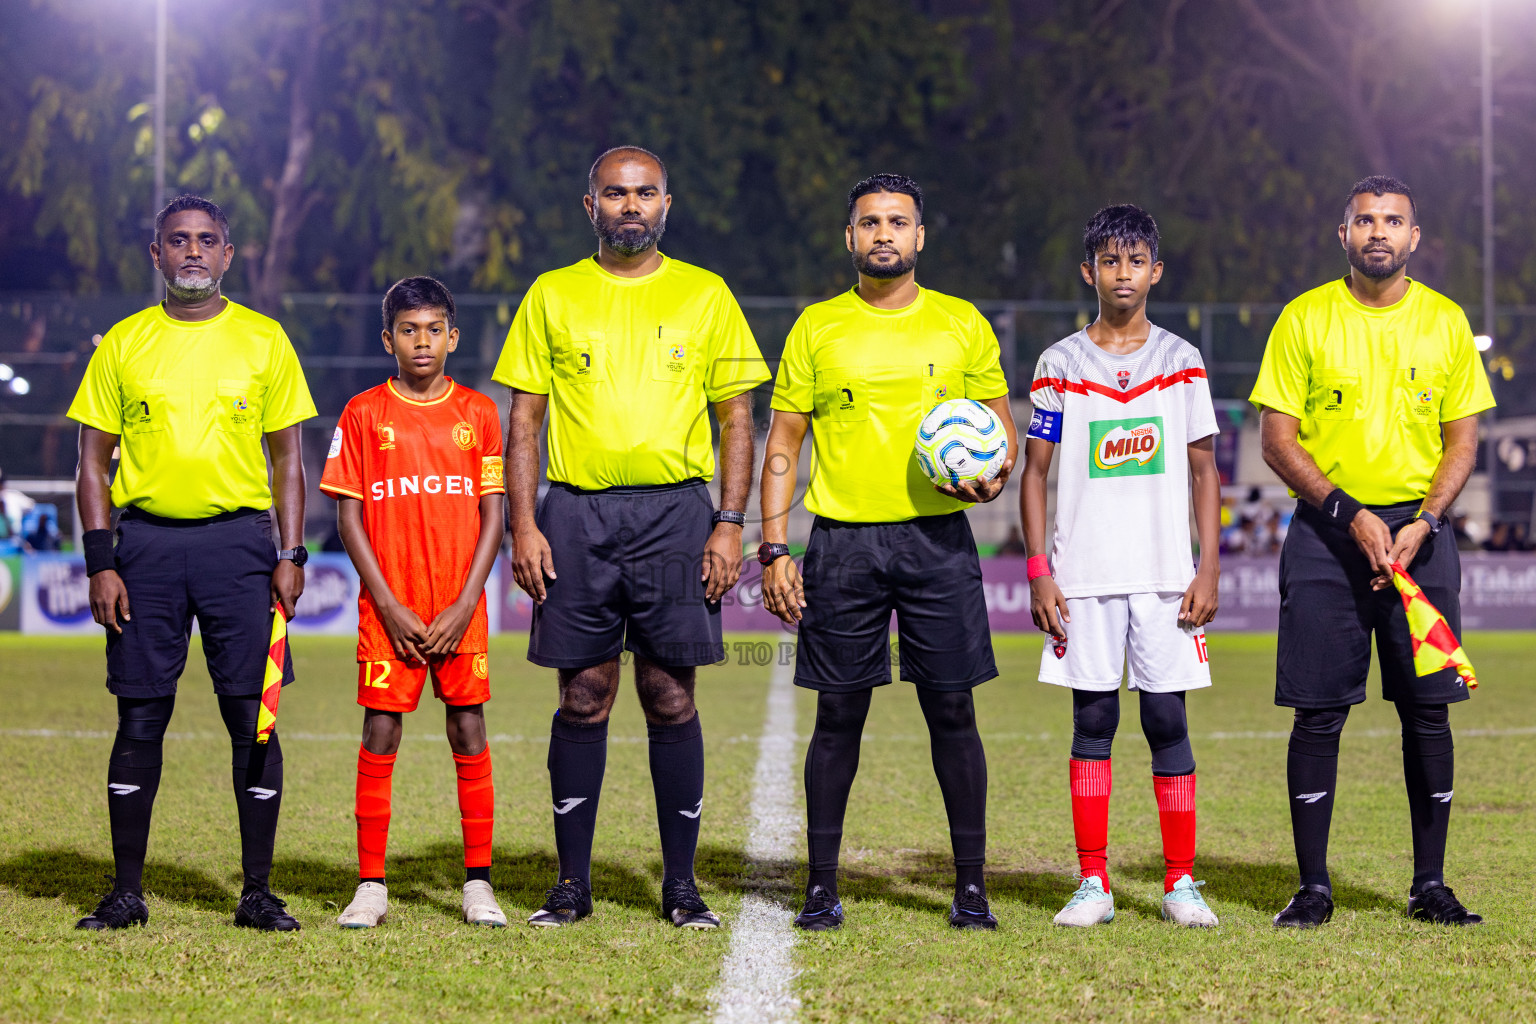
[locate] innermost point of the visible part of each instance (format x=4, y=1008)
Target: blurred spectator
x=14, y=505
x=1274, y=530
x=40, y=528
x=1013, y=544
x=1253, y=507
x=1246, y=538
x=1507, y=536
x=1464, y=540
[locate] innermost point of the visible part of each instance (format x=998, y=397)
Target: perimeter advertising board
x=10, y=592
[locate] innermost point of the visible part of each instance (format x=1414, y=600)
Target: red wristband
x=1038, y=566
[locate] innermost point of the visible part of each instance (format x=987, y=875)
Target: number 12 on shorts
x=1200, y=652
x=382, y=679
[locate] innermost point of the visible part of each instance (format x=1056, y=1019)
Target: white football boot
x=1185, y=906
x=1089, y=906
x=480, y=905
x=367, y=908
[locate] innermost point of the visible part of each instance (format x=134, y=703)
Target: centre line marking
x=756, y=980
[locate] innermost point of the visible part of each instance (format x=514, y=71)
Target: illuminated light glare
x=20, y=385
x=1483, y=342
x=6, y=373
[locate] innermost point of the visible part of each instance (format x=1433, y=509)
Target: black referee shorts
x=1328, y=613
x=217, y=569
x=927, y=572
x=627, y=561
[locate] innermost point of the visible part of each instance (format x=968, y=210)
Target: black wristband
x=98, y=551
x=727, y=516
x=1340, y=508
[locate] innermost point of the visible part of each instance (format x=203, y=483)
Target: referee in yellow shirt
x=627, y=351
x=859, y=372
x=187, y=391
x=1369, y=394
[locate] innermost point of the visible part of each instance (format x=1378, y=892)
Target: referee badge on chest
x=674, y=355
x=580, y=357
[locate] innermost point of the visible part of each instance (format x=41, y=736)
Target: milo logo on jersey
x=1126, y=447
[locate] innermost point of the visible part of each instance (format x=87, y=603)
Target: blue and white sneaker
x=822, y=911
x=1185, y=906
x=1089, y=906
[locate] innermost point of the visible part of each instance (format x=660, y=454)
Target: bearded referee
x=187, y=391
x=627, y=351
x=1368, y=396
x=860, y=371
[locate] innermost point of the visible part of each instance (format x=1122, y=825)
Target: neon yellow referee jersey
x=1372, y=386
x=630, y=365
x=867, y=377
x=190, y=402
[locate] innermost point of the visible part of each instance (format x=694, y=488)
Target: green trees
x=353, y=141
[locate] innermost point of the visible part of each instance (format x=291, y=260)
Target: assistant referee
x=860, y=371
x=627, y=351
x=1368, y=396
x=187, y=391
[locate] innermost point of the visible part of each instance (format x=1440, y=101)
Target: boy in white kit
x=1129, y=405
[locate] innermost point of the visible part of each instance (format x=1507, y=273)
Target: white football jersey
x=1121, y=425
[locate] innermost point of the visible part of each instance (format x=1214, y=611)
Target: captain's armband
x=1045, y=425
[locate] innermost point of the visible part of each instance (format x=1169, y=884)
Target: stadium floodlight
x=6, y=373
x=1483, y=342
x=20, y=386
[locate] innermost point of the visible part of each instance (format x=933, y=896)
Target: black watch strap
x=767, y=554
x=1430, y=518
x=725, y=515
x=298, y=556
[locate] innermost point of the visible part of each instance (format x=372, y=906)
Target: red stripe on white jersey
x=1161, y=382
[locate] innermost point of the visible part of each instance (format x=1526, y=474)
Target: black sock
x=578, y=755
x=257, y=771
x=1311, y=773
x=961, y=766
x=1429, y=770
x=1166, y=726
x=677, y=776
x=831, y=762
x=133, y=779
x=482, y=874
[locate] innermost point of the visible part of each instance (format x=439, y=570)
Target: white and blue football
x=961, y=441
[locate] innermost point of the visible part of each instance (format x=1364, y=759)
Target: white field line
x=756, y=978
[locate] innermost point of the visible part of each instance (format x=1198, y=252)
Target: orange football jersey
x=419, y=468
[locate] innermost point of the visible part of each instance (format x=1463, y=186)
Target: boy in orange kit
x=415, y=468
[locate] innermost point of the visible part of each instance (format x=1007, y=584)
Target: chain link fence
x=46, y=341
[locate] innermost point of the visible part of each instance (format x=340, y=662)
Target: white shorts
x=1141, y=631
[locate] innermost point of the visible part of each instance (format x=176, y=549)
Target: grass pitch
x=896, y=959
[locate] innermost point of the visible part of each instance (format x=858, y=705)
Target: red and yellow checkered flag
x=1435, y=647
x=272, y=682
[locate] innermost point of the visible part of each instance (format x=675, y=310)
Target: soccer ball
x=961, y=440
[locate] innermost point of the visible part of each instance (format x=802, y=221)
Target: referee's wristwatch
x=767, y=554
x=1431, y=519
x=298, y=556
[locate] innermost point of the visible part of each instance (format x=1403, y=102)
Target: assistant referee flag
x=272, y=683
x=1435, y=647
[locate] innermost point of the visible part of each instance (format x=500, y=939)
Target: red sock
x=1091, y=783
x=477, y=806
x=374, y=775
x=1176, y=812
